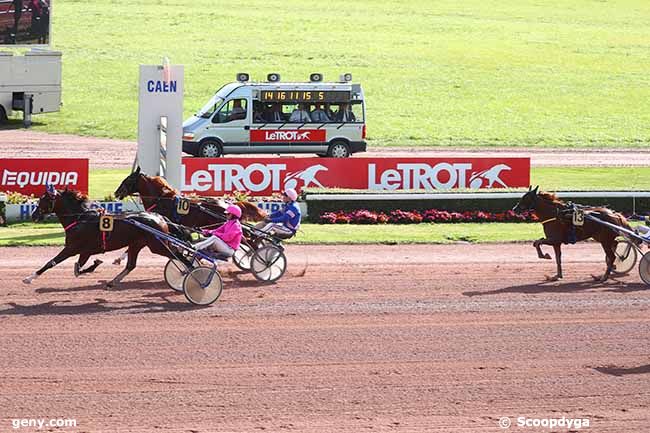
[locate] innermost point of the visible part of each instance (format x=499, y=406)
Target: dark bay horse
x=160, y=197
x=555, y=216
x=83, y=237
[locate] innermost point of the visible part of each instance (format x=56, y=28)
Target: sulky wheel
x=202, y=286
x=626, y=256
x=175, y=272
x=242, y=257
x=644, y=268
x=268, y=263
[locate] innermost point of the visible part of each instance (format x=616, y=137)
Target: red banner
x=287, y=136
x=29, y=176
x=263, y=177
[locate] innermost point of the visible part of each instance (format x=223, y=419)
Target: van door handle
x=247, y=127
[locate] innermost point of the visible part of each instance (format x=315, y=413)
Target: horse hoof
x=27, y=281
x=547, y=256
x=110, y=285
x=98, y=262
x=76, y=270
x=554, y=278
x=117, y=261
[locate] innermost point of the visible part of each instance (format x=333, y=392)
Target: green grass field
x=104, y=182
x=472, y=73
x=28, y=234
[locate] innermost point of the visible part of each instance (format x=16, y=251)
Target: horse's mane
x=550, y=197
x=166, y=189
x=77, y=196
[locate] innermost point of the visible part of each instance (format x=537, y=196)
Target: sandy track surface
x=108, y=153
x=370, y=338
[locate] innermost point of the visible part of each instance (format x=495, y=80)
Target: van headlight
x=188, y=136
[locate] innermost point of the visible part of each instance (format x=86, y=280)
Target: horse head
x=528, y=201
x=129, y=186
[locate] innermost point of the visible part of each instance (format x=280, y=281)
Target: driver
x=286, y=221
x=226, y=238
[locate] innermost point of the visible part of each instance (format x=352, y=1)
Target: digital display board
x=305, y=95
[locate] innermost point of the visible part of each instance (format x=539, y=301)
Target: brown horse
x=83, y=237
x=556, y=218
x=157, y=195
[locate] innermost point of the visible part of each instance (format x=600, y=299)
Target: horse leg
x=610, y=256
x=83, y=258
x=557, y=249
x=64, y=254
x=538, y=246
x=134, y=250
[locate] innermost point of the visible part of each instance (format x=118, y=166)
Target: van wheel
x=3, y=115
x=210, y=149
x=338, y=149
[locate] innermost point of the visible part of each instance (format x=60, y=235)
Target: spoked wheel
x=242, y=257
x=626, y=256
x=175, y=272
x=644, y=268
x=268, y=263
x=202, y=286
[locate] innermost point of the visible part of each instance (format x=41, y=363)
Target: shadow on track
x=613, y=370
x=62, y=308
x=573, y=287
x=147, y=284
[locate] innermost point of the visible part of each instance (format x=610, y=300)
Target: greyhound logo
x=491, y=175
x=308, y=177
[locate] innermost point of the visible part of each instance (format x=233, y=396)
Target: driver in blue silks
x=285, y=222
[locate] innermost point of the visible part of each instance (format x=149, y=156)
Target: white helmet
x=291, y=193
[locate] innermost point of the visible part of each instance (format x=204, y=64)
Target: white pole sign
x=160, y=122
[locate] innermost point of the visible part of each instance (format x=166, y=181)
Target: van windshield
x=208, y=109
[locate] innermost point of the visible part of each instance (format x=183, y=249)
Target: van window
x=345, y=112
x=278, y=112
x=235, y=109
x=208, y=109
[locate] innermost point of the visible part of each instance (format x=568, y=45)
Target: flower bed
x=427, y=216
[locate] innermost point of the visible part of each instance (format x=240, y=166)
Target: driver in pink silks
x=225, y=239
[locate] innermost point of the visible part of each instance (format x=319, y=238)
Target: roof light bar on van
x=316, y=77
x=345, y=78
x=243, y=77
x=273, y=77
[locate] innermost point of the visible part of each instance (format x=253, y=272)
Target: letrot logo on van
x=278, y=136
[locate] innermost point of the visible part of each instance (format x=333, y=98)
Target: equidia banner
x=29, y=176
x=263, y=177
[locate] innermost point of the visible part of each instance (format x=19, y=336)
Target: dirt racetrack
x=109, y=153
x=370, y=338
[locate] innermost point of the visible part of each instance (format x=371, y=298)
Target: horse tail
x=626, y=225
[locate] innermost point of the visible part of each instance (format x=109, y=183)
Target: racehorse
x=556, y=218
x=159, y=196
x=84, y=238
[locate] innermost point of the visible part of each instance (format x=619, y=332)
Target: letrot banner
x=263, y=177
